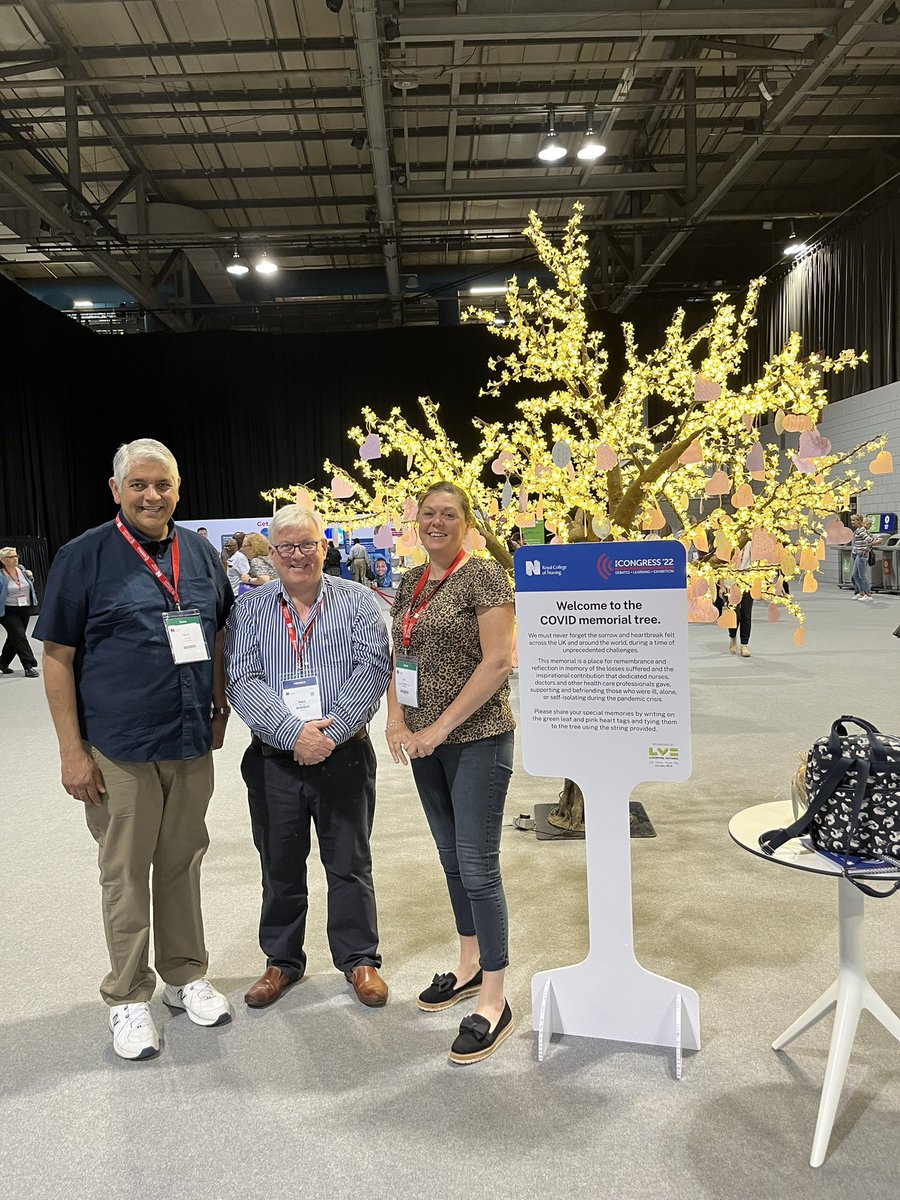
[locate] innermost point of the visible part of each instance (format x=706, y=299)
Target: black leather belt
x=268, y=751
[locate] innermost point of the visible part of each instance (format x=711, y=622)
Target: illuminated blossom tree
x=587, y=463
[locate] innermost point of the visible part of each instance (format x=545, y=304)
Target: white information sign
x=605, y=701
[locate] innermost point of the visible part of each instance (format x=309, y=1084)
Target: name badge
x=301, y=698
x=187, y=640
x=406, y=680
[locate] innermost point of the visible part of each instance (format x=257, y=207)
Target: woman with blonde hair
x=17, y=596
x=449, y=717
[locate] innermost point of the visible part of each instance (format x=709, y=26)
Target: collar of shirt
x=156, y=548
x=282, y=594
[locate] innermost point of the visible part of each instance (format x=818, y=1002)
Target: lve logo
x=670, y=752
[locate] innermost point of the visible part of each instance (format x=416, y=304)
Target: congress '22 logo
x=604, y=566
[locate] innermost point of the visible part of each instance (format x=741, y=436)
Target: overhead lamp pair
x=552, y=149
x=240, y=266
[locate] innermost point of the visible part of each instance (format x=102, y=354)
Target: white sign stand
x=605, y=702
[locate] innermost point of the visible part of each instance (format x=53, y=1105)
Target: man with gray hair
x=133, y=630
x=308, y=660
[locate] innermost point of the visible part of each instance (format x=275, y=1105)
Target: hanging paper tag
x=302, y=699
x=186, y=637
x=406, y=680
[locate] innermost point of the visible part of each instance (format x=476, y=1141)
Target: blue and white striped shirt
x=347, y=650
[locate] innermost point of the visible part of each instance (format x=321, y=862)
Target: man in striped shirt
x=308, y=660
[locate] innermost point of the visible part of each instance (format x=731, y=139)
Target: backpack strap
x=770, y=841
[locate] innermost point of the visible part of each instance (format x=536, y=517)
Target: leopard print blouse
x=446, y=643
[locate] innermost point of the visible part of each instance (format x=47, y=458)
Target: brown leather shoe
x=270, y=986
x=370, y=988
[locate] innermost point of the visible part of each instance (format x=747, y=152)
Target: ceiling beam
x=846, y=32
x=60, y=222
x=573, y=22
x=372, y=84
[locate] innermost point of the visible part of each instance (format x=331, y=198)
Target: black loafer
x=476, y=1038
x=443, y=992
x=31, y=673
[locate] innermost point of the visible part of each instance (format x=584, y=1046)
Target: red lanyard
x=415, y=610
x=292, y=632
x=153, y=567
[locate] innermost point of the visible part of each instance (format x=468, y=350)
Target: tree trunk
x=569, y=813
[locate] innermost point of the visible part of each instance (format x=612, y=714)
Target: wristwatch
x=219, y=710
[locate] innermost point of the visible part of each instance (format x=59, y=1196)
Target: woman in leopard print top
x=449, y=716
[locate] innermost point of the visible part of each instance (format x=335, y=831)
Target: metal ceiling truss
x=450, y=111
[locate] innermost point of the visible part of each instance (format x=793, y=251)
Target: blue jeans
x=463, y=790
x=860, y=575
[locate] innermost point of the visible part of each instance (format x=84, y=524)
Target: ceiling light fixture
x=82, y=304
x=265, y=265
x=552, y=149
x=358, y=141
x=334, y=6
x=499, y=318
x=764, y=90
x=591, y=148
x=794, y=246
x=238, y=265
x=493, y=289
x=391, y=29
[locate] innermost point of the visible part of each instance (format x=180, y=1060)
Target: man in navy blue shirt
x=133, y=630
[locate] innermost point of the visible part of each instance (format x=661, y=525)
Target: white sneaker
x=200, y=1000
x=134, y=1034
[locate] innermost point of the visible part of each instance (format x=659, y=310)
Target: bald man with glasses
x=308, y=660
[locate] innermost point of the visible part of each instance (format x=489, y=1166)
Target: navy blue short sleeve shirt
x=134, y=703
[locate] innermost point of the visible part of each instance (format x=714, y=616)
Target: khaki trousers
x=153, y=817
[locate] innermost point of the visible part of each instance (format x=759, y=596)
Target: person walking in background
x=202, y=531
x=308, y=662
x=333, y=560
x=359, y=561
x=743, y=610
x=17, y=598
x=449, y=716
x=862, y=543
x=133, y=632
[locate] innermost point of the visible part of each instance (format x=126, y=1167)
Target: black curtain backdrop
x=846, y=294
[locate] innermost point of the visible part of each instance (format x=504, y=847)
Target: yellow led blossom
x=588, y=462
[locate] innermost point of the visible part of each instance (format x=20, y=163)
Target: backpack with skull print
x=853, y=797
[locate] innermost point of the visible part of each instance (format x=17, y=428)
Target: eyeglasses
x=286, y=549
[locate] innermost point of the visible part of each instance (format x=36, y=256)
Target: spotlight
x=399, y=176
x=552, y=149
x=391, y=29
x=498, y=318
x=238, y=265
x=334, y=6
x=591, y=148
x=795, y=246
x=265, y=265
x=891, y=15
x=358, y=141
x=371, y=215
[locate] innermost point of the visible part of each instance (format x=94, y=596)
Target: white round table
x=851, y=992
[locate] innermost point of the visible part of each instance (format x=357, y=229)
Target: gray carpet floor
x=319, y=1097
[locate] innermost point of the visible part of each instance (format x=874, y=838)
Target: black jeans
x=339, y=796
x=15, y=622
x=463, y=791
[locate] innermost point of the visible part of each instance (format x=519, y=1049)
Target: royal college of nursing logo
x=532, y=566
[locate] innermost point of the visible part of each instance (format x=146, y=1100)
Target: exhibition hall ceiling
x=382, y=151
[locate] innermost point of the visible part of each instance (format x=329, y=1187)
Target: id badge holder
x=406, y=680
x=302, y=698
x=187, y=641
